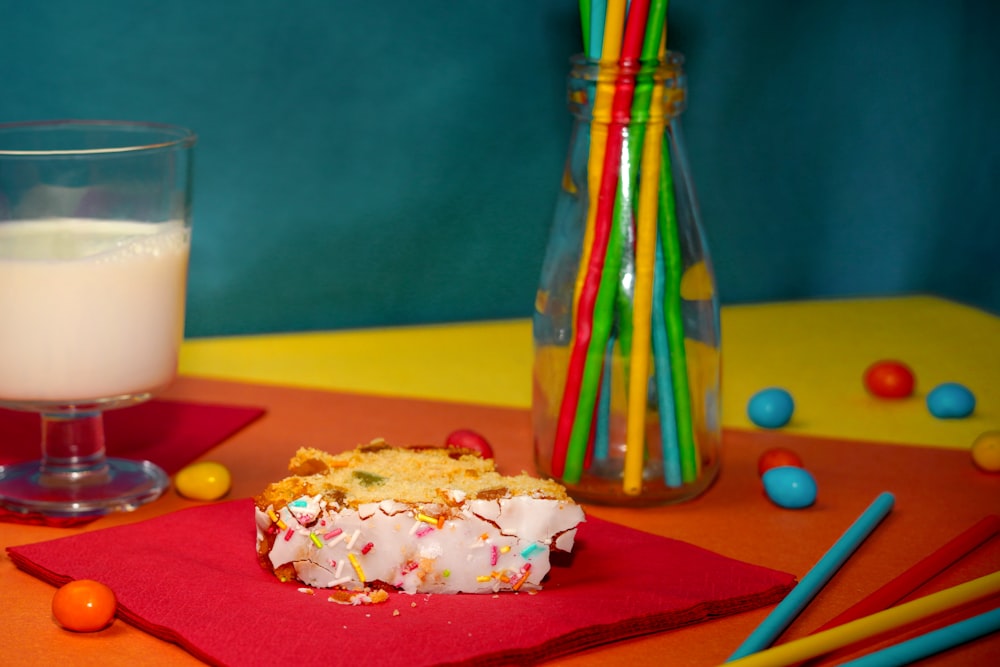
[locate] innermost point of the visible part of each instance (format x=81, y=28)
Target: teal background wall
x=370, y=163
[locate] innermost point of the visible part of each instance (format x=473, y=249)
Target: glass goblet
x=95, y=231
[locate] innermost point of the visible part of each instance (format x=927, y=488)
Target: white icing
x=416, y=555
x=305, y=509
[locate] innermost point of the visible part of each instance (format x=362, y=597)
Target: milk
x=89, y=309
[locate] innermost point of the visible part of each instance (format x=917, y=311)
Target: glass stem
x=73, y=451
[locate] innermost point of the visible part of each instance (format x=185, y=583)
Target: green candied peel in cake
x=368, y=479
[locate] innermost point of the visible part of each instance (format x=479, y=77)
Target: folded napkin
x=191, y=577
x=171, y=434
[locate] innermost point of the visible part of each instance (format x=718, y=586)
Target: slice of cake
x=423, y=520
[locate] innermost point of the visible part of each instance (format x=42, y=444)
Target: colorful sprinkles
x=511, y=576
x=353, y=538
x=524, y=577
x=528, y=550
x=276, y=519
x=357, y=567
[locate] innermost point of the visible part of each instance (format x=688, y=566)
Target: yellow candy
x=986, y=451
x=203, y=481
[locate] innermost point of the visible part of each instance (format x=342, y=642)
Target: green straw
x=675, y=316
x=606, y=279
x=672, y=475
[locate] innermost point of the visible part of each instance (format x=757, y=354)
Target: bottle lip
x=668, y=70
x=665, y=74
x=670, y=58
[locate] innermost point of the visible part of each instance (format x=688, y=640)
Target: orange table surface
x=732, y=518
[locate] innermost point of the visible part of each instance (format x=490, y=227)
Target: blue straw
x=669, y=443
x=598, y=10
x=932, y=642
x=800, y=596
x=602, y=430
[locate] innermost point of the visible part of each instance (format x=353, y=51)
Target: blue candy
x=951, y=400
x=790, y=487
x=771, y=408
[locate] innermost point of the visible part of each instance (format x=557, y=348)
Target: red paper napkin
x=171, y=434
x=192, y=577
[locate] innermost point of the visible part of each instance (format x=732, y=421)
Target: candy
x=986, y=451
x=771, y=408
x=84, y=606
x=790, y=487
x=206, y=480
x=776, y=457
x=469, y=439
x=951, y=400
x=889, y=379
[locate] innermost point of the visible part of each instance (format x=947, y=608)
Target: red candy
x=889, y=379
x=467, y=439
x=777, y=457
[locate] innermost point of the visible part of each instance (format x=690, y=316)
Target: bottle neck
x=627, y=92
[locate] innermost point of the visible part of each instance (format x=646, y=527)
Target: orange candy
x=986, y=451
x=777, y=457
x=84, y=606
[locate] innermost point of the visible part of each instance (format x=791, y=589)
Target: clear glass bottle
x=626, y=375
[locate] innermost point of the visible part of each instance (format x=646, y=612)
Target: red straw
x=620, y=115
x=932, y=565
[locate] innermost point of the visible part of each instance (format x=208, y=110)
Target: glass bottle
x=626, y=376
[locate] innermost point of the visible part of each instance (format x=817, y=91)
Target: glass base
x=124, y=485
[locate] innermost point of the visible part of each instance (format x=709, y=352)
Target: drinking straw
x=602, y=432
x=820, y=643
x=596, y=303
x=600, y=287
x=614, y=20
x=920, y=573
x=598, y=8
x=932, y=642
x=675, y=320
x=797, y=599
x=595, y=269
x=616, y=194
x=664, y=383
x=646, y=95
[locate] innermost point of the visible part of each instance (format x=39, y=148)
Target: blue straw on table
x=932, y=642
x=669, y=443
x=800, y=596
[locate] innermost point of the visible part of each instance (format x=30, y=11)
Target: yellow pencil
x=868, y=626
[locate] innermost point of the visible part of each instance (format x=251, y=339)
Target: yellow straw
x=869, y=626
x=645, y=260
x=614, y=24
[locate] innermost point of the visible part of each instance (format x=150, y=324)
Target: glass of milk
x=95, y=231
